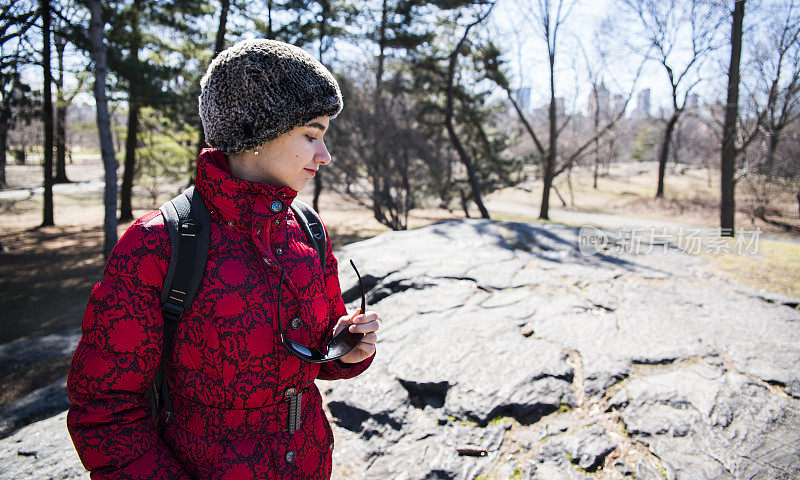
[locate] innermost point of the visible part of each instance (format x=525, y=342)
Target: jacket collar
x=241, y=204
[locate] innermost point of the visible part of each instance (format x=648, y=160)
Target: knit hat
x=259, y=89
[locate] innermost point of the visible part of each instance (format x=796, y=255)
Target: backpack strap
x=187, y=220
x=311, y=224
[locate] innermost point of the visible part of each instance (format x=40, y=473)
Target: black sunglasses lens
x=303, y=352
x=342, y=344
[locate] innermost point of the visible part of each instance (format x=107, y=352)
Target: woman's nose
x=322, y=156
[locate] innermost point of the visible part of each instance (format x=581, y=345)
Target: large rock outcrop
x=506, y=353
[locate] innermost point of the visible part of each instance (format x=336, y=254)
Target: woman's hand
x=357, y=323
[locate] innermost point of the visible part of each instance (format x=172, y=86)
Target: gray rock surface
x=39, y=404
x=503, y=336
x=41, y=451
x=29, y=351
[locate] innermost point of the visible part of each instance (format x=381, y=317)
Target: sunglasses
x=338, y=346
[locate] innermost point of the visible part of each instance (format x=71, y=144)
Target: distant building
x=643, y=104
x=599, y=102
x=617, y=104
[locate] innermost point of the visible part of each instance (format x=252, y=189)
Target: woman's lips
x=310, y=172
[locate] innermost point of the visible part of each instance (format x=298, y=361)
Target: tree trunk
x=547, y=184
x=317, y=190
x=596, y=140
x=132, y=137
x=772, y=145
x=104, y=128
x=376, y=162
x=47, y=114
x=131, y=141
x=464, y=202
x=270, y=35
x=451, y=131
x=219, y=45
x=61, y=144
x=550, y=158
x=61, y=116
x=318, y=182
x=663, y=153
x=728, y=160
x=3, y=145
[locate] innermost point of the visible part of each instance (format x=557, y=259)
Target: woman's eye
x=310, y=138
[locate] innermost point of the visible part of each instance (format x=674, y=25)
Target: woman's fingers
x=365, y=318
x=365, y=323
x=367, y=348
x=364, y=327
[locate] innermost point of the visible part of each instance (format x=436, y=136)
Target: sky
x=528, y=57
x=514, y=31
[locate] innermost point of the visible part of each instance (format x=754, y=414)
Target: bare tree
x=104, y=128
x=16, y=19
x=777, y=72
x=47, y=114
x=680, y=35
x=548, y=20
x=728, y=154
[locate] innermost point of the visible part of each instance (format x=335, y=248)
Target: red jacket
x=228, y=372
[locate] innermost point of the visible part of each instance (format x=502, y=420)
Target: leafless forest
x=442, y=106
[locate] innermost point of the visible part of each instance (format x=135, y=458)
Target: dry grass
x=774, y=268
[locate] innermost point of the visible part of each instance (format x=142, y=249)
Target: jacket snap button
x=279, y=251
x=289, y=456
x=296, y=323
x=277, y=221
x=291, y=391
x=230, y=224
x=276, y=206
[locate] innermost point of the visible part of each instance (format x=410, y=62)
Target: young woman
x=233, y=383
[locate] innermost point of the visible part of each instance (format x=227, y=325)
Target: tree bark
x=3, y=158
x=319, y=184
x=104, y=128
x=5, y=121
x=376, y=162
x=451, y=131
x=728, y=159
x=47, y=114
x=317, y=190
x=663, y=152
x=552, y=152
x=131, y=139
x=61, y=116
x=772, y=145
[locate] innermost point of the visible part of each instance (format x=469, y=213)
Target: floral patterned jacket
x=228, y=373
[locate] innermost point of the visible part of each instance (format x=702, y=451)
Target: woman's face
x=291, y=159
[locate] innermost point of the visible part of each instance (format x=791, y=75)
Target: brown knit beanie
x=259, y=89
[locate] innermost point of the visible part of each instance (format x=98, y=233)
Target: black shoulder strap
x=188, y=223
x=311, y=224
